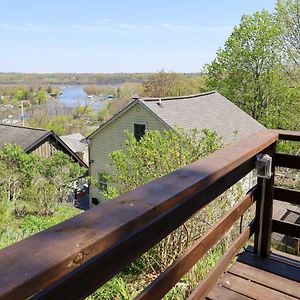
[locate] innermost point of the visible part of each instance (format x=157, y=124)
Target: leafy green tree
x=157, y=154
x=288, y=14
x=187, y=86
x=154, y=155
x=159, y=84
x=35, y=184
x=130, y=89
x=242, y=71
x=41, y=96
x=249, y=71
x=20, y=94
x=82, y=111
x=284, y=108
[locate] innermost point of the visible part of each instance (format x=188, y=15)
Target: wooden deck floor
x=276, y=277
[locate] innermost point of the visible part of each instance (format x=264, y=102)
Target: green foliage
x=250, y=71
x=164, y=84
x=159, y=84
x=35, y=223
x=157, y=154
x=288, y=16
x=242, y=70
x=41, y=96
x=33, y=191
x=84, y=112
x=61, y=124
x=129, y=90
x=117, y=288
x=17, y=93
x=20, y=95
x=83, y=109
x=34, y=184
x=13, y=229
x=189, y=85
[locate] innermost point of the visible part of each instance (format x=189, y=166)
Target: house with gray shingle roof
x=43, y=142
x=204, y=111
x=77, y=143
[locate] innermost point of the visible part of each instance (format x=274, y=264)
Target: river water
x=72, y=96
x=65, y=104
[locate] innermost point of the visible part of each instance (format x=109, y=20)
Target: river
x=72, y=96
x=65, y=104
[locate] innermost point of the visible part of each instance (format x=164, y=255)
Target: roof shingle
x=25, y=137
x=208, y=110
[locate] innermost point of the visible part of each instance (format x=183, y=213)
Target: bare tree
x=159, y=84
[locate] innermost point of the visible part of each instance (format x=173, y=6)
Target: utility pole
x=22, y=113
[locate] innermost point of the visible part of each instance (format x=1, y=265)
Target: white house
x=208, y=110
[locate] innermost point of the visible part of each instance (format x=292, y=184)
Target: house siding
x=46, y=149
x=112, y=138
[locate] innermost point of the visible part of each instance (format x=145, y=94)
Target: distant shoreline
x=76, y=78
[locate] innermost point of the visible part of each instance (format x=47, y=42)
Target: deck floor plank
x=276, y=277
x=281, y=267
x=220, y=292
x=251, y=289
x=265, y=278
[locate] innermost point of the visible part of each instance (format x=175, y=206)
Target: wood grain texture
x=77, y=256
x=252, y=289
x=264, y=222
x=166, y=280
x=288, y=135
x=287, y=161
x=287, y=195
x=272, y=281
x=283, y=265
x=274, y=277
x=221, y=293
x=211, y=279
x=286, y=228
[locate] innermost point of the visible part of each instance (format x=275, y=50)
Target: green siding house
x=208, y=110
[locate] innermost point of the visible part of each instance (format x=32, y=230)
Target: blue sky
x=116, y=36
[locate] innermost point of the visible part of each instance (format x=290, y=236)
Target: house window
x=139, y=130
x=102, y=182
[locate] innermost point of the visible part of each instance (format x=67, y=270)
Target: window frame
x=142, y=124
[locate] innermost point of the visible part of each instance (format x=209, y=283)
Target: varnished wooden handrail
x=77, y=256
x=288, y=135
x=287, y=161
x=287, y=228
x=287, y=195
x=166, y=280
x=211, y=279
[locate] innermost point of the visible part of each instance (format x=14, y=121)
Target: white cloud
x=109, y=26
x=194, y=29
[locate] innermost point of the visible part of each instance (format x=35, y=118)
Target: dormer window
x=139, y=130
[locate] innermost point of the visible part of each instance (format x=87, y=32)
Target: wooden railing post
x=264, y=210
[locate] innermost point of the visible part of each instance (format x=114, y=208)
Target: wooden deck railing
x=74, y=258
x=287, y=195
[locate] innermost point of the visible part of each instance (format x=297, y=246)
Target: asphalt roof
x=208, y=110
x=73, y=141
x=25, y=137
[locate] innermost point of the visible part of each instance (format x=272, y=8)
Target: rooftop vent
x=159, y=102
